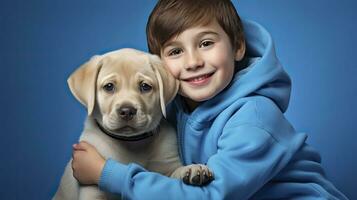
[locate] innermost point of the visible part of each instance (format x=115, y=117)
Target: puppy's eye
x=144, y=87
x=109, y=87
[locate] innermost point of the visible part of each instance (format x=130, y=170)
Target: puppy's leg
x=92, y=192
x=195, y=174
x=69, y=187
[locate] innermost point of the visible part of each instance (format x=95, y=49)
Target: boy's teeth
x=199, y=78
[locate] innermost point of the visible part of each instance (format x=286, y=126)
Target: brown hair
x=171, y=17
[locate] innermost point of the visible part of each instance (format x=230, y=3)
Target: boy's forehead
x=196, y=31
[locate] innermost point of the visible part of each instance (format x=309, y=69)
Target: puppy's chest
x=143, y=153
x=158, y=153
x=135, y=152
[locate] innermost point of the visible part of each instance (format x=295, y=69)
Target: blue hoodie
x=242, y=135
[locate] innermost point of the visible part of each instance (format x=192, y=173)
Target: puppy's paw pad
x=197, y=174
x=186, y=177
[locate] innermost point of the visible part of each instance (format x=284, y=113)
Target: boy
x=229, y=114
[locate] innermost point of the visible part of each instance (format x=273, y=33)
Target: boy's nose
x=194, y=61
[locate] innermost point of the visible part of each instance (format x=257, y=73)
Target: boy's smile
x=199, y=80
x=202, y=58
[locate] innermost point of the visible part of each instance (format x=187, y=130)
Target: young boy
x=229, y=114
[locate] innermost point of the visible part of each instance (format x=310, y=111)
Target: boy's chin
x=197, y=98
x=200, y=95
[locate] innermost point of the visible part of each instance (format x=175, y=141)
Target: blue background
x=42, y=42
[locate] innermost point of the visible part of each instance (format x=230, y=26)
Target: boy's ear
x=168, y=85
x=240, y=52
x=82, y=82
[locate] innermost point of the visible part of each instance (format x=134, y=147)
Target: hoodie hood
x=262, y=75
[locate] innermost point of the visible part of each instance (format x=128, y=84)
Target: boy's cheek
x=174, y=71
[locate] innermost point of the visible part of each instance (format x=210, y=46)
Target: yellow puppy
x=125, y=92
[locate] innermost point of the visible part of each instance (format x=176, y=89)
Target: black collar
x=126, y=138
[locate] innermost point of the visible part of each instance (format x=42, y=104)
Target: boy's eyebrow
x=206, y=33
x=171, y=43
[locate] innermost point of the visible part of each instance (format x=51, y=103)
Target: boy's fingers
x=78, y=147
x=82, y=145
x=76, y=153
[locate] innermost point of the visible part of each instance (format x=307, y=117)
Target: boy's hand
x=87, y=163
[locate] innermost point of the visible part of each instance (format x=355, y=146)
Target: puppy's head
x=126, y=90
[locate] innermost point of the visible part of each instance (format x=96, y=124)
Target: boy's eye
x=206, y=43
x=175, y=52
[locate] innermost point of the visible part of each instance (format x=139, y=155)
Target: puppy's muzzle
x=127, y=112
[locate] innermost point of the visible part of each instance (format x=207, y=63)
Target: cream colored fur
x=126, y=69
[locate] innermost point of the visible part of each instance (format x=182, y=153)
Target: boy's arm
x=243, y=164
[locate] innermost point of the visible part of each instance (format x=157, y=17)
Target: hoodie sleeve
x=248, y=156
x=240, y=171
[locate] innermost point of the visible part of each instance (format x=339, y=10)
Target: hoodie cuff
x=113, y=177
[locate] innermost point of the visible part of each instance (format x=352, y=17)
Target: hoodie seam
x=276, y=141
x=259, y=127
x=261, y=124
x=257, y=124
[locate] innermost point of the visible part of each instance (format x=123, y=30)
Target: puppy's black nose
x=127, y=112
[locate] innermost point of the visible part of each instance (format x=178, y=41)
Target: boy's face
x=202, y=59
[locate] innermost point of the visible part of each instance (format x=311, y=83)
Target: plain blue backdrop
x=42, y=42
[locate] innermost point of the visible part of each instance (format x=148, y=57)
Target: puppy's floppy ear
x=82, y=82
x=168, y=85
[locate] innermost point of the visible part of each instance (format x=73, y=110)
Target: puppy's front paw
x=195, y=174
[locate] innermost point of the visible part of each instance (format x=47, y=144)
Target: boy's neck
x=191, y=105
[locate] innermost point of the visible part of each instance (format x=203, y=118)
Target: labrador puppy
x=125, y=93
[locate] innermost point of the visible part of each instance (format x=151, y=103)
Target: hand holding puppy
x=87, y=163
